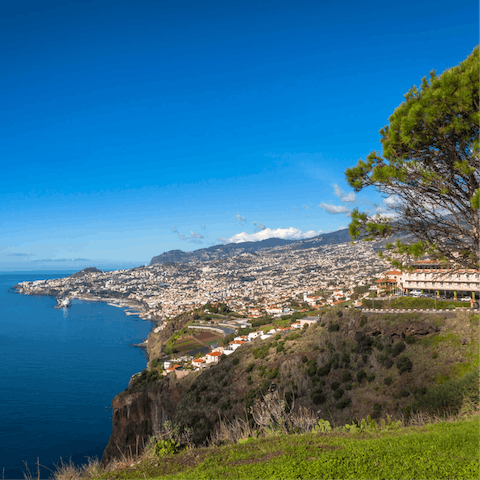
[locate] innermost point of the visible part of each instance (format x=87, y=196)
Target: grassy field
x=443, y=450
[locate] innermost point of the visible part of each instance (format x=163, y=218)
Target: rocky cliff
x=137, y=415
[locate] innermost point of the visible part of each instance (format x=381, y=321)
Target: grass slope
x=443, y=450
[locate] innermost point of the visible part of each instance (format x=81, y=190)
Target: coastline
x=133, y=307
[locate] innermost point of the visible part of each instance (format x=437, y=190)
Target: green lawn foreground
x=447, y=450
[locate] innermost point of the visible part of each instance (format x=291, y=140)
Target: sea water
x=59, y=371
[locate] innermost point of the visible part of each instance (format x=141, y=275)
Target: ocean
x=59, y=371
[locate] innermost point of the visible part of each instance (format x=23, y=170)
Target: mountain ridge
x=221, y=251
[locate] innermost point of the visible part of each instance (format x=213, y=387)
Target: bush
x=404, y=393
x=448, y=396
x=274, y=373
x=361, y=375
x=364, y=343
x=235, y=361
x=311, y=367
x=377, y=407
x=387, y=380
x=338, y=394
x=348, y=386
x=322, y=371
x=250, y=367
x=249, y=380
x=343, y=403
x=404, y=364
x=317, y=397
x=334, y=327
x=346, y=377
x=398, y=348
x=410, y=339
x=335, y=385
x=371, y=378
x=388, y=363
x=166, y=447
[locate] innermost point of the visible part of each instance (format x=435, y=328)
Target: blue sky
x=132, y=128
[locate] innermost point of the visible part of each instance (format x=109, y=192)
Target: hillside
x=217, y=252
x=346, y=367
x=342, y=369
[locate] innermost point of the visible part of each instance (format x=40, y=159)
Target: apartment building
x=431, y=277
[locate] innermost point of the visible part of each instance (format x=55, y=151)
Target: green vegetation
x=367, y=450
x=412, y=302
x=429, y=164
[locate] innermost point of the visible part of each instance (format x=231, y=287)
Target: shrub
x=304, y=359
x=317, y=397
x=250, y=367
x=249, y=380
x=235, y=361
x=166, y=447
x=404, y=364
x=348, y=386
x=363, y=320
x=377, y=407
x=322, y=371
x=398, y=348
x=404, y=393
x=343, y=403
x=346, y=377
x=335, y=385
x=334, y=327
x=361, y=375
x=273, y=373
x=364, y=343
x=339, y=313
x=388, y=363
x=410, y=339
x=381, y=358
x=449, y=396
x=371, y=378
x=337, y=395
x=387, y=380
x=311, y=367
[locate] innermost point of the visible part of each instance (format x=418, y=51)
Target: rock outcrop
x=137, y=415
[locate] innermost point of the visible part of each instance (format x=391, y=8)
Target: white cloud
x=335, y=209
x=391, y=201
x=192, y=238
x=259, y=226
x=240, y=219
x=343, y=196
x=284, y=233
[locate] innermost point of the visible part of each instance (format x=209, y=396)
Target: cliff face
x=137, y=416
